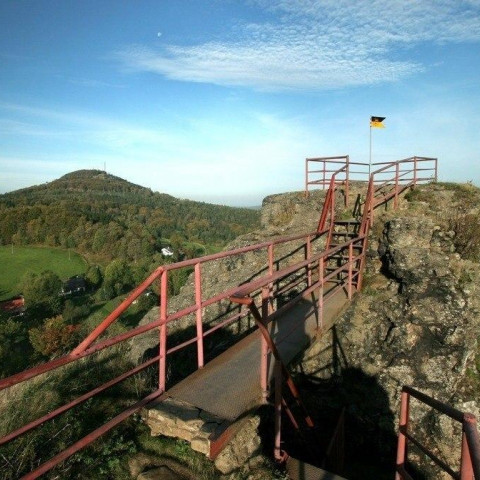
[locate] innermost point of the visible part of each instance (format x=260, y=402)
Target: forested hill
x=104, y=216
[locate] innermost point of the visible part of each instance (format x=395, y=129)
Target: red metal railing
x=344, y=277
x=470, y=445
x=298, y=245
x=323, y=175
x=390, y=180
x=328, y=209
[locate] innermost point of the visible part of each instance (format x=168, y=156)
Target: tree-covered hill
x=106, y=217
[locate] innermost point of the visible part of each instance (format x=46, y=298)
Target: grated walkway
x=229, y=385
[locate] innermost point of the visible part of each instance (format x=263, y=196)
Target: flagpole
x=370, y=158
x=377, y=123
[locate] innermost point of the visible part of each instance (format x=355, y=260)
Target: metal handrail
x=329, y=166
x=87, y=347
x=470, y=454
x=385, y=169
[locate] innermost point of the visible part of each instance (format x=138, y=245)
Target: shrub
x=467, y=234
x=53, y=337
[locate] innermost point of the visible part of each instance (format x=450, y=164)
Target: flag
x=376, y=122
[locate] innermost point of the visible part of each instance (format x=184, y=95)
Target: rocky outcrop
x=244, y=450
x=416, y=323
x=177, y=419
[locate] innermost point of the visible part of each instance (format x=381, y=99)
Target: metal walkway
x=228, y=387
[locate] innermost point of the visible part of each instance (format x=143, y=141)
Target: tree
x=42, y=292
x=13, y=357
x=93, y=276
x=118, y=278
x=73, y=313
x=53, y=337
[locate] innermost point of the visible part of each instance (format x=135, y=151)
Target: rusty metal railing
x=342, y=278
x=470, y=444
x=328, y=168
x=390, y=180
x=302, y=245
x=328, y=209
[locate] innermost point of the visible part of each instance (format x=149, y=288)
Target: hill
x=106, y=217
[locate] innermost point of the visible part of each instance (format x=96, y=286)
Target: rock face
x=244, y=449
x=416, y=323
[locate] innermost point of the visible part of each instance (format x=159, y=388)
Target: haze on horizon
x=222, y=100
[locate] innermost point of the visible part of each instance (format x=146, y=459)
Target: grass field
x=13, y=266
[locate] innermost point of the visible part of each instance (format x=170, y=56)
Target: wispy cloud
x=22, y=120
x=163, y=161
x=315, y=45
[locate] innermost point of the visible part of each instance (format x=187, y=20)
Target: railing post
x=350, y=270
x=198, y=313
x=371, y=206
x=402, y=440
x=332, y=217
x=320, y=291
x=436, y=169
x=362, y=262
x=470, y=432
x=395, y=200
x=308, y=267
x=414, y=171
x=332, y=213
x=278, y=454
x=347, y=181
x=324, y=173
x=162, y=370
x=306, y=177
x=270, y=259
x=466, y=468
x=264, y=346
x=467, y=471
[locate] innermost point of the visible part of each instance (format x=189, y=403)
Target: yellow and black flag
x=376, y=122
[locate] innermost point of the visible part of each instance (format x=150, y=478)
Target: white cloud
x=315, y=45
x=82, y=126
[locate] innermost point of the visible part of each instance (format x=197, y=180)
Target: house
x=167, y=252
x=15, y=306
x=74, y=285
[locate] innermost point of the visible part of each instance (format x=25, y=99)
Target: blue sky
x=222, y=100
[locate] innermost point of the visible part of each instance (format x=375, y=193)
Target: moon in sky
x=159, y=34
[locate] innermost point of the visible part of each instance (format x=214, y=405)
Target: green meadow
x=14, y=264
